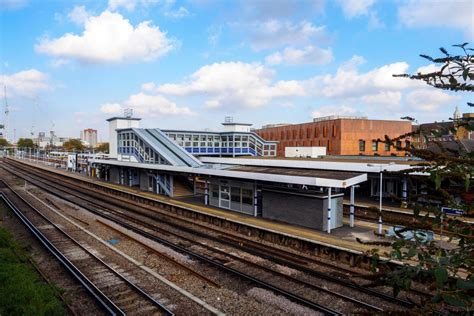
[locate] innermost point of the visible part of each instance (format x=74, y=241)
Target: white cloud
x=12, y=4
x=279, y=9
x=384, y=98
x=275, y=33
x=348, y=82
x=146, y=105
x=439, y=13
x=429, y=100
x=110, y=38
x=353, y=63
x=129, y=5
x=166, y=7
x=154, y=105
x=179, y=13
x=111, y=108
x=79, y=15
x=149, y=86
x=25, y=83
x=355, y=8
x=328, y=110
x=428, y=69
x=378, y=89
x=234, y=84
x=59, y=62
x=310, y=55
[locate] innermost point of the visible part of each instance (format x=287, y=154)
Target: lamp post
x=381, y=169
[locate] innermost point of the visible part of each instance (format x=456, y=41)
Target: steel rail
x=242, y=275
x=282, y=253
x=103, y=301
x=257, y=252
x=276, y=251
x=330, y=278
x=114, y=271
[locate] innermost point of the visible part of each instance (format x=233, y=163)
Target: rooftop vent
x=338, y=117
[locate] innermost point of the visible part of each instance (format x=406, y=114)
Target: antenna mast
x=7, y=111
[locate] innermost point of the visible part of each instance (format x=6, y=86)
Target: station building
x=235, y=140
x=340, y=135
x=151, y=160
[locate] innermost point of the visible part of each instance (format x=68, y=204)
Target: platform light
x=381, y=166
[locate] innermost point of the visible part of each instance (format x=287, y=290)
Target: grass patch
x=22, y=290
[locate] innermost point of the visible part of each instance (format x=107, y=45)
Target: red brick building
x=340, y=135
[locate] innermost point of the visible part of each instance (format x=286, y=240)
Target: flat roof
x=321, y=178
x=233, y=123
x=314, y=173
x=350, y=165
x=123, y=118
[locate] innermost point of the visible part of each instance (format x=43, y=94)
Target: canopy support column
x=206, y=192
x=255, y=199
x=351, y=214
x=329, y=210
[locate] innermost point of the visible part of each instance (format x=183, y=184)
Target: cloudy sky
x=69, y=65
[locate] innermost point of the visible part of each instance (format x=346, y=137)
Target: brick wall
x=340, y=136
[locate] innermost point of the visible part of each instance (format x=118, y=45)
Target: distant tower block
x=456, y=114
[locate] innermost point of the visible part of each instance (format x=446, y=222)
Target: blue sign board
x=452, y=211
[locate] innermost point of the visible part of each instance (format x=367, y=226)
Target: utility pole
x=7, y=111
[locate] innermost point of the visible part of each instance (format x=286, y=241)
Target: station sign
x=452, y=211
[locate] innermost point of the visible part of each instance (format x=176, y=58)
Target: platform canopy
x=303, y=176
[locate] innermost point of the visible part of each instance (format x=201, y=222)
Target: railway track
x=278, y=256
x=105, y=212
x=117, y=296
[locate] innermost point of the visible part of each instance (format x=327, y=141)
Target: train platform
x=342, y=238
x=390, y=206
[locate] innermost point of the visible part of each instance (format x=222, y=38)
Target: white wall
x=312, y=152
x=237, y=128
x=115, y=124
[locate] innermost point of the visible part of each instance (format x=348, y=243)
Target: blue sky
x=69, y=65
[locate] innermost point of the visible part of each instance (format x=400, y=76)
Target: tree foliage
x=446, y=265
x=73, y=145
x=456, y=72
x=103, y=147
x=25, y=143
x=4, y=142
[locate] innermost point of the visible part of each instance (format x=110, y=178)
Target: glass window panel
x=375, y=145
x=235, y=194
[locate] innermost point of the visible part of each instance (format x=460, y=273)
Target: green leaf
x=465, y=284
x=411, y=252
x=453, y=80
x=454, y=301
x=441, y=275
x=465, y=73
